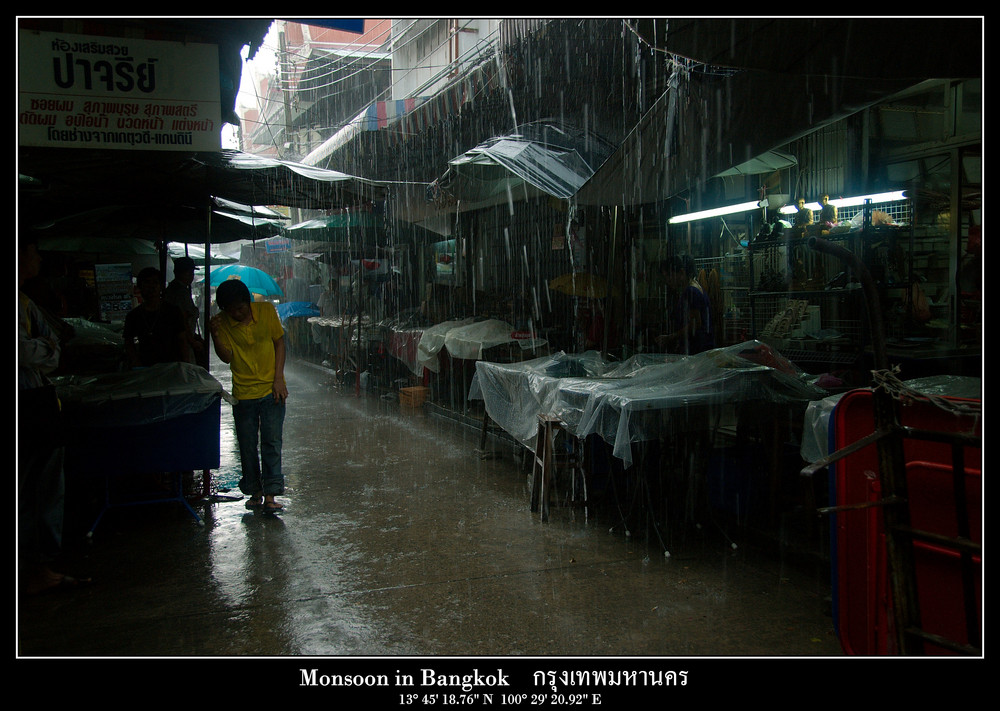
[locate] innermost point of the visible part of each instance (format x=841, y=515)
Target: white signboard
x=81, y=91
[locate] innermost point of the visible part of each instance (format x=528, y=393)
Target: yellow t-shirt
x=253, y=350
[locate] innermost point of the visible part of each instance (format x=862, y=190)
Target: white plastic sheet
x=639, y=399
x=470, y=341
x=432, y=342
x=816, y=425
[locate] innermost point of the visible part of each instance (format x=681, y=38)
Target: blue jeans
x=260, y=420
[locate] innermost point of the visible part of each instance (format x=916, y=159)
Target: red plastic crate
x=862, y=599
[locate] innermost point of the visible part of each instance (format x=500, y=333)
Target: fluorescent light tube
x=715, y=212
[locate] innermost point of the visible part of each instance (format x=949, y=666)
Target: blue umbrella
x=257, y=281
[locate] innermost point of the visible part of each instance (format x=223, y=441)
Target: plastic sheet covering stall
x=470, y=341
x=432, y=341
x=638, y=399
x=91, y=348
x=816, y=425
x=161, y=392
x=404, y=344
x=158, y=420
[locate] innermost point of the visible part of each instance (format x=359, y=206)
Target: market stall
x=632, y=401
x=337, y=336
x=404, y=344
x=158, y=420
x=432, y=341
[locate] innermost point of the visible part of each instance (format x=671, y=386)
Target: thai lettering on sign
x=77, y=91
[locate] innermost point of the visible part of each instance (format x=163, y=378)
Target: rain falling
x=572, y=312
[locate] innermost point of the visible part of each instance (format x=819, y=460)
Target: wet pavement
x=400, y=538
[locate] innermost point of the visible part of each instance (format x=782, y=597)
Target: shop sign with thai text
x=277, y=244
x=82, y=91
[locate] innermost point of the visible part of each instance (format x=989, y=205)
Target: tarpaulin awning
x=764, y=163
x=197, y=253
x=258, y=180
x=261, y=211
x=377, y=115
x=334, y=228
x=63, y=182
x=97, y=245
x=150, y=223
x=547, y=157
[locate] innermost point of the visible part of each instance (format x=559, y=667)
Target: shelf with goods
x=809, y=305
x=728, y=292
x=941, y=298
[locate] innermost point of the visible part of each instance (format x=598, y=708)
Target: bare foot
x=271, y=505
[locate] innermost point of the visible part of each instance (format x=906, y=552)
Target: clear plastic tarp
x=87, y=332
x=470, y=341
x=816, y=426
x=136, y=397
x=553, y=157
x=432, y=341
x=638, y=399
x=461, y=338
x=404, y=344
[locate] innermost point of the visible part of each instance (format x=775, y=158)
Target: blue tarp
x=293, y=309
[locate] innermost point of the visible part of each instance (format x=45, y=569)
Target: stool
x=543, y=471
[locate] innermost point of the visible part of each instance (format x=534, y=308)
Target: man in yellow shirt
x=248, y=336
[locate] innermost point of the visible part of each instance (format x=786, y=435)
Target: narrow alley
x=400, y=538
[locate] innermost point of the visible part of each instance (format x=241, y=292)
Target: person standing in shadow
x=691, y=318
x=40, y=446
x=154, y=331
x=178, y=293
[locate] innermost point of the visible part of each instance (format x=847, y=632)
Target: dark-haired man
x=247, y=335
x=178, y=292
x=154, y=331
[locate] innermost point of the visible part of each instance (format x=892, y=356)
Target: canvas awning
x=179, y=223
x=334, y=228
x=375, y=116
x=65, y=182
x=767, y=162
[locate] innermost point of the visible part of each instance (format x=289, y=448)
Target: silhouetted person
x=40, y=477
x=154, y=331
x=691, y=316
x=178, y=293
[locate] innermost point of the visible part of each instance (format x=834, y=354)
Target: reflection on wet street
x=400, y=538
